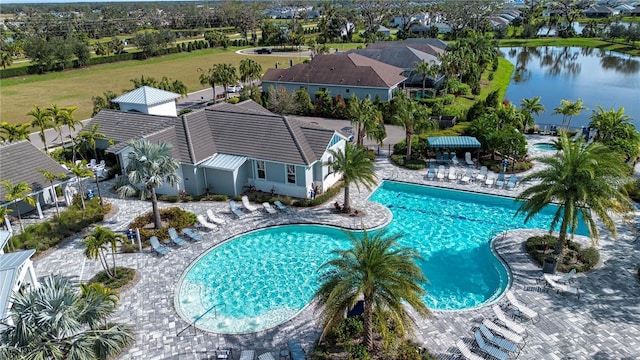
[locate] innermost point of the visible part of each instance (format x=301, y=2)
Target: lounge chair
x=454, y=159
x=500, y=180
x=207, y=225
x=491, y=178
x=468, y=175
x=441, y=173
x=431, y=173
x=564, y=288
x=564, y=279
x=281, y=206
x=510, y=324
x=192, y=234
x=482, y=175
x=438, y=157
x=213, y=218
x=489, y=349
x=295, y=349
x=467, y=159
x=266, y=356
x=504, y=332
x=522, y=309
x=235, y=209
x=176, y=238
x=513, y=181
x=498, y=341
x=247, y=355
x=247, y=205
x=268, y=208
x=445, y=157
x=155, y=244
x=224, y=354
x=466, y=352
x=453, y=176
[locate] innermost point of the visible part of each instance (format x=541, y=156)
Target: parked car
x=234, y=88
x=263, y=51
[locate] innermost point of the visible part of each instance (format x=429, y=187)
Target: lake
x=597, y=77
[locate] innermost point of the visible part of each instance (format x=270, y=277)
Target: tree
x=355, y=166
x=152, y=43
x=66, y=119
x=55, y=321
x=615, y=129
x=5, y=59
x=568, y=109
x=80, y=171
x=280, y=101
x=16, y=193
x=41, y=122
x=50, y=177
x=105, y=102
x=377, y=268
x=223, y=74
x=151, y=166
x=530, y=107
x=98, y=242
x=88, y=137
x=366, y=118
x=14, y=132
x=583, y=181
x=412, y=117
x=426, y=69
x=250, y=70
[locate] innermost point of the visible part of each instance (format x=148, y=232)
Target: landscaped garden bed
x=574, y=257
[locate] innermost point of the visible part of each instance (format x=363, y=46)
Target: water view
x=597, y=77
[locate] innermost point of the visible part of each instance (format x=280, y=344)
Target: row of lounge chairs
x=451, y=158
x=294, y=351
x=237, y=211
x=468, y=176
x=175, y=239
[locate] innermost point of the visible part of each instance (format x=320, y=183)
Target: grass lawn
x=78, y=86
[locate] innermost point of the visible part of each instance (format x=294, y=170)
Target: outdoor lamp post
x=95, y=173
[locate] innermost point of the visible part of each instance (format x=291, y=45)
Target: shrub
x=174, y=217
x=233, y=100
x=540, y=247
x=124, y=276
x=449, y=99
x=214, y=197
x=589, y=257
x=320, y=199
x=169, y=198
x=413, y=164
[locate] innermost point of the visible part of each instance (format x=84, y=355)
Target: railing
x=193, y=324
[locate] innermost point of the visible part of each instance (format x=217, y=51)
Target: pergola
x=454, y=142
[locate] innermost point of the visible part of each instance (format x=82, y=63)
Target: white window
x=291, y=174
x=262, y=174
x=330, y=165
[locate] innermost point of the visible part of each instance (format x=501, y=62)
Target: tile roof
x=348, y=70
x=431, y=46
x=146, y=95
x=20, y=161
x=318, y=138
x=9, y=266
x=404, y=57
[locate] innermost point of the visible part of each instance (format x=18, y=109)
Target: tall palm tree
x=583, y=181
x=426, y=69
x=14, y=132
x=98, y=242
x=366, y=118
x=377, y=268
x=412, y=117
x=250, y=70
x=223, y=74
x=80, y=171
x=88, y=138
x=615, y=129
x=16, y=193
x=64, y=117
x=356, y=167
x=150, y=165
x=531, y=106
x=51, y=177
x=56, y=321
x=55, y=113
x=41, y=122
x=568, y=109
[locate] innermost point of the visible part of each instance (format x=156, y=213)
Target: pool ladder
x=193, y=324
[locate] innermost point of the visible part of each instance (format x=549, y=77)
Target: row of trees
x=227, y=74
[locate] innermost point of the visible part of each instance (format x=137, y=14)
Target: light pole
x=95, y=173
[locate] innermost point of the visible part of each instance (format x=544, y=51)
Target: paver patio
x=603, y=324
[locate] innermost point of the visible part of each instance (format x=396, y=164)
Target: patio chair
x=564, y=279
x=268, y=208
x=468, y=175
x=467, y=159
x=513, y=181
x=431, y=172
x=482, y=175
x=296, y=350
x=438, y=157
x=266, y=356
x=192, y=234
x=504, y=332
x=564, y=288
x=213, y=218
x=489, y=349
x=235, y=209
x=454, y=159
x=500, y=180
x=247, y=205
x=521, y=310
x=453, y=176
x=510, y=324
x=281, y=206
x=207, y=225
x=491, y=178
x=155, y=244
x=224, y=354
x=176, y=238
x=441, y=173
x=498, y=341
x=445, y=157
x=466, y=352
x=247, y=355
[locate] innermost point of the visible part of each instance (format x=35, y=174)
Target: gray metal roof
x=146, y=95
x=9, y=266
x=20, y=162
x=224, y=162
x=4, y=237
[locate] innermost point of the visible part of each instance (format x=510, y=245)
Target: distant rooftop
x=146, y=95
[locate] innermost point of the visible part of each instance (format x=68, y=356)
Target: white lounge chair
x=498, y=341
x=268, y=208
x=441, y=172
x=564, y=288
x=482, y=175
x=563, y=279
x=247, y=204
x=155, y=244
x=491, y=178
x=213, y=218
x=490, y=349
x=466, y=352
x=247, y=355
x=176, y=238
x=192, y=234
x=453, y=176
x=281, y=206
x=512, y=325
x=467, y=159
x=266, y=356
x=454, y=159
x=504, y=332
x=523, y=310
x=235, y=209
x=207, y=225
x=466, y=178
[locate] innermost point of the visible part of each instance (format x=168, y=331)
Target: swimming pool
x=264, y=278
x=545, y=147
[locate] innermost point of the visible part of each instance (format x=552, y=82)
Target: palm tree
x=101, y=302
x=64, y=117
x=223, y=74
x=426, y=69
x=250, y=70
x=412, y=117
x=40, y=121
x=356, y=167
x=14, y=132
x=55, y=321
x=4, y=212
x=530, y=107
x=582, y=181
x=55, y=113
x=16, y=193
x=614, y=129
x=366, y=118
x=568, y=109
x=97, y=243
x=150, y=165
x=5, y=59
x=80, y=171
x=51, y=177
x=377, y=268
x=88, y=138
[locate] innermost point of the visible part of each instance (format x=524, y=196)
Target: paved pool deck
x=603, y=324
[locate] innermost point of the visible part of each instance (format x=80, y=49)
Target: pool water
x=264, y=278
x=545, y=147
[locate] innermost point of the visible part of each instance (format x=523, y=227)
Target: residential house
x=384, y=31
x=600, y=11
x=340, y=75
x=227, y=148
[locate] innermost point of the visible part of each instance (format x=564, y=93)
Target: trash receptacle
x=549, y=265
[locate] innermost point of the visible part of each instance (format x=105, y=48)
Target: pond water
x=598, y=77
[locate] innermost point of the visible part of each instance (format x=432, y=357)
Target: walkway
x=603, y=324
